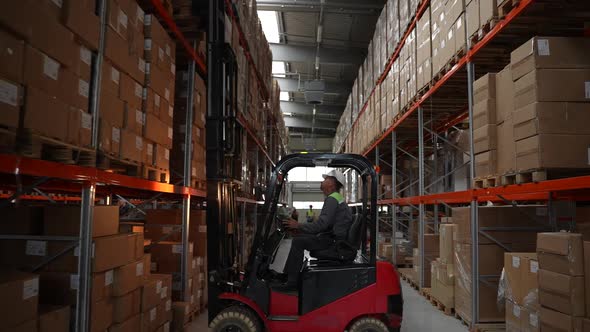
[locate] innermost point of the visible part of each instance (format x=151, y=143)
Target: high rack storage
x=420, y=108
x=80, y=163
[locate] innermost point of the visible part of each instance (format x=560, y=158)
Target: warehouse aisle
x=419, y=315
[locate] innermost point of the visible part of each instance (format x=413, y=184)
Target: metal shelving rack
x=433, y=114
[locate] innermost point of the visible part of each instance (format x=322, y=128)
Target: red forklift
x=345, y=288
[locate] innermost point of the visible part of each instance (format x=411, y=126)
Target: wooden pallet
x=426, y=293
x=199, y=184
x=111, y=163
x=406, y=275
x=506, y=7
x=155, y=174
x=464, y=321
x=32, y=144
x=486, y=182
x=492, y=327
x=537, y=175
x=441, y=306
x=483, y=31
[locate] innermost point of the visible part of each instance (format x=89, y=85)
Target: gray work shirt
x=335, y=218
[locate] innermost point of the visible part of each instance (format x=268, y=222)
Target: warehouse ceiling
x=339, y=32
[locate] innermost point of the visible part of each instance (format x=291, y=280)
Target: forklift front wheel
x=368, y=324
x=235, y=319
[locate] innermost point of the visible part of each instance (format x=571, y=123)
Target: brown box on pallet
x=551, y=118
x=117, y=50
x=167, y=255
x=162, y=47
x=126, y=306
x=102, y=315
x=506, y=146
x=553, y=151
x=161, y=81
x=485, y=138
x=151, y=293
x=150, y=319
x=111, y=79
x=131, y=324
x=129, y=277
x=484, y=88
x=501, y=216
x=551, y=320
x=166, y=289
x=52, y=38
x=446, y=249
x=109, y=137
x=134, y=120
x=132, y=146
x=112, y=109
x=29, y=326
x=11, y=100
x=131, y=92
x=561, y=253
x=505, y=92
x=472, y=14
x=560, y=85
x=79, y=127
x=152, y=102
x=21, y=220
x=12, y=54
x=562, y=292
x=520, y=273
x=65, y=220
x=180, y=314
x=62, y=287
x=162, y=159
x=514, y=313
x=488, y=293
x=550, y=53
x=20, y=297
x=484, y=113
x=80, y=18
x=530, y=319
x=158, y=131
x=47, y=74
x=54, y=318
x=488, y=10
x=45, y=115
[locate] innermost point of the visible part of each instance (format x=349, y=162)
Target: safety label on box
x=516, y=262
x=86, y=120
x=115, y=75
x=138, y=91
x=164, y=292
x=168, y=305
x=167, y=94
x=176, y=248
x=109, y=277
x=116, y=137
x=139, y=269
x=160, y=54
x=85, y=55
x=150, y=149
x=138, y=143
x=36, y=248
x=170, y=111
x=83, y=88
x=153, y=313
x=74, y=282
x=123, y=20
x=58, y=3
x=30, y=288
x=534, y=267
x=142, y=66
x=50, y=68
x=8, y=93
x=139, y=117
x=543, y=47
x=167, y=325
x=158, y=286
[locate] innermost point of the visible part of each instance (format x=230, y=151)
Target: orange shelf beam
x=13, y=164
x=245, y=124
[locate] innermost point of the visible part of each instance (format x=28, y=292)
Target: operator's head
x=333, y=182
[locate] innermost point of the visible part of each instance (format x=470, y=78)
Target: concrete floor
x=419, y=315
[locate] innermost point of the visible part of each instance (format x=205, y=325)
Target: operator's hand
x=291, y=224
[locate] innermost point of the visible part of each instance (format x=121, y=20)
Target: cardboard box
x=553, y=151
x=30, y=326
x=112, y=109
x=431, y=243
x=129, y=277
x=514, y=317
x=126, y=306
x=65, y=220
x=506, y=146
x=161, y=81
x=102, y=315
x=20, y=297
x=109, y=138
x=472, y=13
x=556, y=321
x=484, y=113
x=488, y=293
x=520, y=273
x=505, y=92
x=167, y=256
x=131, y=92
x=111, y=79
x=62, y=287
x=162, y=159
x=54, y=318
x=530, y=320
x=151, y=293
x=131, y=324
x=561, y=253
x=134, y=120
x=12, y=54
x=21, y=220
x=132, y=146
x=157, y=131
x=550, y=53
x=80, y=18
x=52, y=38
x=180, y=313
x=501, y=216
x=46, y=115
x=560, y=85
x=562, y=292
x=487, y=10
x=11, y=99
x=551, y=118
x=166, y=289
x=79, y=127
x=485, y=138
x=150, y=319
x=486, y=163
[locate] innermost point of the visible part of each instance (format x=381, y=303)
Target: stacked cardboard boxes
x=562, y=281
x=484, y=125
x=491, y=256
x=521, y=291
x=431, y=252
x=443, y=269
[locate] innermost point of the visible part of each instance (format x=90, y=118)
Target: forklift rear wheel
x=235, y=319
x=369, y=324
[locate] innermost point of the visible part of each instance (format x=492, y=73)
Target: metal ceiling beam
x=307, y=110
x=307, y=123
x=367, y=7
x=293, y=85
x=306, y=54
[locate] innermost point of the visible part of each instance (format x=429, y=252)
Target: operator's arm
x=325, y=220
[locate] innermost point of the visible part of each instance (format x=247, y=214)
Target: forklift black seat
x=343, y=251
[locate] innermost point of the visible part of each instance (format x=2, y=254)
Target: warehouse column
x=474, y=214
x=186, y=201
x=421, y=211
x=97, y=70
x=393, y=194
x=378, y=192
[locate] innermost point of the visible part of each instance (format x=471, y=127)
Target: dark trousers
x=300, y=243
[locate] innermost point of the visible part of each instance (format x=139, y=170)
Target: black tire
x=369, y=324
x=236, y=319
